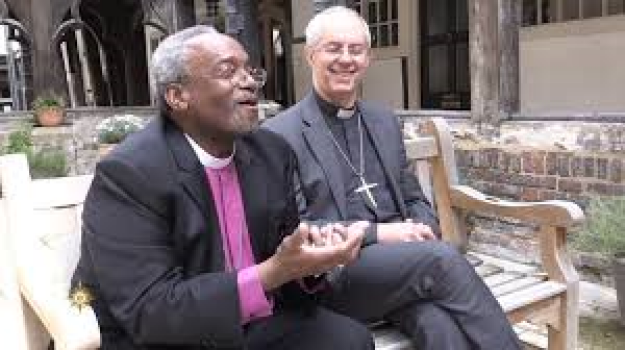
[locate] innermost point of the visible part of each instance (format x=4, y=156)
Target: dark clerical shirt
x=346, y=134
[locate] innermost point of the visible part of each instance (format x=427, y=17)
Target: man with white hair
x=352, y=166
x=191, y=237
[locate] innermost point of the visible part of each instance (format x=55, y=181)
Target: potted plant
x=604, y=233
x=43, y=163
x=113, y=130
x=49, y=110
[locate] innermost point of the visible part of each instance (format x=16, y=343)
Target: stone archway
x=103, y=51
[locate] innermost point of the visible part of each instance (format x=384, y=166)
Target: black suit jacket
x=151, y=248
x=321, y=192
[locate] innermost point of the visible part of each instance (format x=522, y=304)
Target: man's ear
x=177, y=97
x=309, y=52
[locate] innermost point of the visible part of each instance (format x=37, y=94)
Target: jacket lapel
x=373, y=126
x=193, y=179
x=254, y=195
x=316, y=135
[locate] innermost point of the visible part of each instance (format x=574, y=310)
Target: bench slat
x=60, y=192
x=422, y=147
x=485, y=270
x=531, y=294
x=501, y=278
x=515, y=285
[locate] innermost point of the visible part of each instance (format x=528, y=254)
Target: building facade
x=495, y=58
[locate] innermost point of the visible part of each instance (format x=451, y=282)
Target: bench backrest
x=43, y=221
x=432, y=155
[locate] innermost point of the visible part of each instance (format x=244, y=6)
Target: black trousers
x=321, y=329
x=428, y=290
x=316, y=329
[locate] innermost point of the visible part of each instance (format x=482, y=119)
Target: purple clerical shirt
x=226, y=190
x=224, y=184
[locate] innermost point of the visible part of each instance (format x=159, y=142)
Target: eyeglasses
x=238, y=75
x=335, y=50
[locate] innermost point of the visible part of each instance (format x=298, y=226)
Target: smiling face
x=219, y=96
x=339, y=60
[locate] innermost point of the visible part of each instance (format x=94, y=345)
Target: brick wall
x=537, y=161
x=536, y=174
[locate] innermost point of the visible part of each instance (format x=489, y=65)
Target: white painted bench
x=43, y=218
x=43, y=225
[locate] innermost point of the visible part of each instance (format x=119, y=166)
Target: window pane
x=438, y=14
x=530, y=13
x=570, y=9
x=616, y=7
x=384, y=36
x=592, y=8
x=393, y=9
x=383, y=11
x=375, y=42
x=438, y=69
x=373, y=12
x=550, y=11
x=395, y=34
x=463, y=82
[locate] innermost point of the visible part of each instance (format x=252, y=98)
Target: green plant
x=47, y=101
x=116, y=128
x=47, y=163
x=604, y=231
x=42, y=163
x=20, y=140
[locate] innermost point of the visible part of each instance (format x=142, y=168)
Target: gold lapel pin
x=80, y=296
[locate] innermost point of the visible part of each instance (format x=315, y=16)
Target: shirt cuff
x=252, y=299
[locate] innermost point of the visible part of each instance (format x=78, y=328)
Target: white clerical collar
x=208, y=160
x=345, y=113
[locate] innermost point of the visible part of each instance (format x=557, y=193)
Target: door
x=445, y=79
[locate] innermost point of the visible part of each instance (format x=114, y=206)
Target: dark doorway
x=445, y=79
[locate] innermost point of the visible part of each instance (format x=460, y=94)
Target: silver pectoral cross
x=366, y=188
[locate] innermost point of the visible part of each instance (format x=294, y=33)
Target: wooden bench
x=43, y=226
x=547, y=294
x=43, y=218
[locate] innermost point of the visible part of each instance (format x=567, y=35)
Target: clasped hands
x=311, y=250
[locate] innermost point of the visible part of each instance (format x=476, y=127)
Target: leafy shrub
x=116, y=128
x=44, y=163
x=604, y=231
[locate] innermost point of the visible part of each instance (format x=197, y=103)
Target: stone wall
x=77, y=137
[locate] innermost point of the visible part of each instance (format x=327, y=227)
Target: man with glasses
x=352, y=166
x=191, y=236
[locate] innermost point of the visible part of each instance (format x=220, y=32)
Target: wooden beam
x=483, y=27
x=508, y=27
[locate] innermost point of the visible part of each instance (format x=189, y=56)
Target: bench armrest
x=551, y=213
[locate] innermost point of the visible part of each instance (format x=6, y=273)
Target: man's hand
x=404, y=232
x=311, y=251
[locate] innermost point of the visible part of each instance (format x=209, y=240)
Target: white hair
x=318, y=24
x=169, y=61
